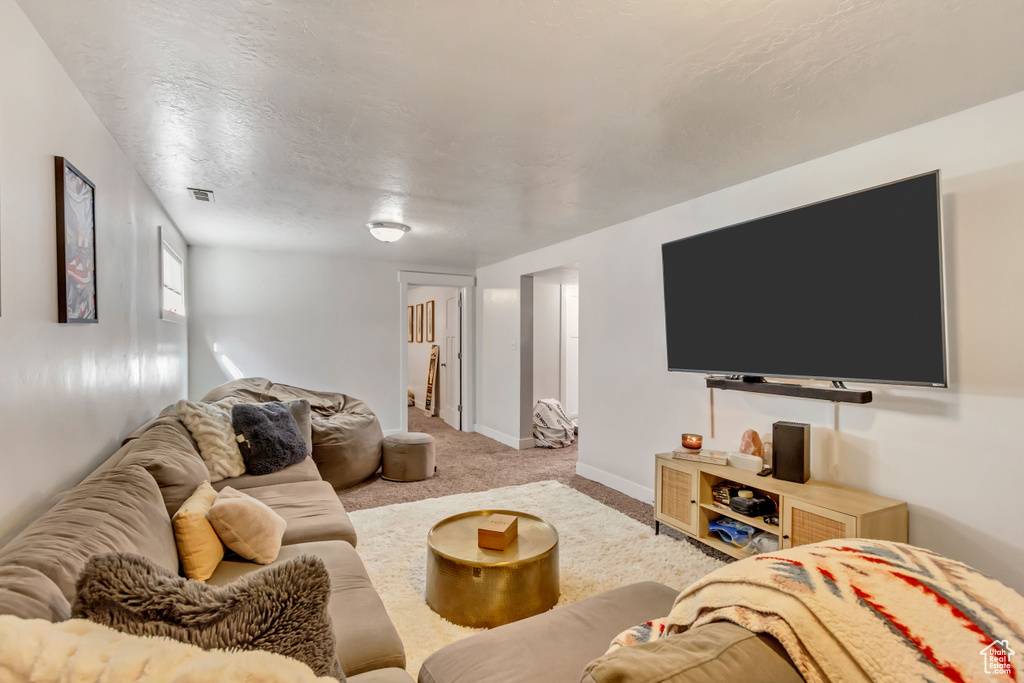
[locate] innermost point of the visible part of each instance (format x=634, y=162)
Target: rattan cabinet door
x=676, y=496
x=803, y=523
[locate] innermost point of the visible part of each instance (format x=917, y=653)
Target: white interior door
x=451, y=363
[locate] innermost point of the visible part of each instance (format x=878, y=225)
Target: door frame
x=526, y=325
x=466, y=286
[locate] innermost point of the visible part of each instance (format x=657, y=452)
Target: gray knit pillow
x=268, y=437
x=282, y=608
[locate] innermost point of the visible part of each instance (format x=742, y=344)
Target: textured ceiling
x=497, y=127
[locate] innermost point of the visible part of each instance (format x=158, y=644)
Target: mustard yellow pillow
x=199, y=547
x=247, y=526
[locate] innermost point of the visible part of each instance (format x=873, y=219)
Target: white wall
x=419, y=353
x=547, y=355
x=953, y=454
x=317, y=321
x=71, y=392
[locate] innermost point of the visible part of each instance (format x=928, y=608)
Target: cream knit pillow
x=199, y=547
x=247, y=526
x=81, y=651
x=210, y=425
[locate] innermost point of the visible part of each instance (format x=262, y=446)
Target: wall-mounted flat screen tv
x=846, y=289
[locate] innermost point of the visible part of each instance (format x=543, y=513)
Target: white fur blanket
x=859, y=610
x=79, y=651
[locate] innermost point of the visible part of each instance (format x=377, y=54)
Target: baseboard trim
x=500, y=437
x=527, y=443
x=614, y=481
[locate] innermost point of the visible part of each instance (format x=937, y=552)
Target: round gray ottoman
x=408, y=456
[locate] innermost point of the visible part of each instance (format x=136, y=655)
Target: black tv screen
x=845, y=289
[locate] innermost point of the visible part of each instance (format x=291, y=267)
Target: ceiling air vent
x=201, y=195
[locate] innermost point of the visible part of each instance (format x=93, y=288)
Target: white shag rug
x=599, y=549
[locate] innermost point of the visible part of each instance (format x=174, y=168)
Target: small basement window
x=172, y=270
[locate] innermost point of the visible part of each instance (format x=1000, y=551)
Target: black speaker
x=791, y=451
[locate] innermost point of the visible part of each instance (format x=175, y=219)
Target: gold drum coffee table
x=473, y=586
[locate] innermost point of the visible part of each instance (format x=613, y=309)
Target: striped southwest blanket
x=862, y=610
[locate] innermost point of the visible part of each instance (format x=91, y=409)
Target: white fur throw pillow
x=37, y=651
x=210, y=425
x=247, y=526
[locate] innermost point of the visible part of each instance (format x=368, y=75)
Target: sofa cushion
x=247, y=526
x=268, y=436
x=282, y=609
x=554, y=646
x=111, y=462
x=210, y=425
x=303, y=471
x=311, y=509
x=29, y=594
x=720, y=651
x=167, y=452
x=199, y=547
x=167, y=416
x=303, y=420
x=367, y=639
x=388, y=675
x=120, y=510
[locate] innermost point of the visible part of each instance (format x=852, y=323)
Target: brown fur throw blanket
x=280, y=609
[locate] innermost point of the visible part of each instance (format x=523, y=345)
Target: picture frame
x=412, y=324
x=77, y=291
x=419, y=323
x=430, y=321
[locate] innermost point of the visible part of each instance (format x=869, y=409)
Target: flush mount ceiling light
x=387, y=232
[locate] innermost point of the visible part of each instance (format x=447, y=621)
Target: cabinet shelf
x=722, y=546
x=808, y=513
x=755, y=522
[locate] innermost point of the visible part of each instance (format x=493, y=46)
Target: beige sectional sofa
x=126, y=505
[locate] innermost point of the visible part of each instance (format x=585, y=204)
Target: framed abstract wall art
x=412, y=320
x=76, y=245
x=430, y=321
x=419, y=323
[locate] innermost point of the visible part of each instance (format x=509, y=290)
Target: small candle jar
x=693, y=441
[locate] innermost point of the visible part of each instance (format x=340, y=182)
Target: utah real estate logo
x=997, y=657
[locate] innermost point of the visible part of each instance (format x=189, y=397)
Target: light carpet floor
x=599, y=549
x=469, y=462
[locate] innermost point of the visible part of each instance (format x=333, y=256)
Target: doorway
x=435, y=347
x=550, y=351
x=436, y=360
